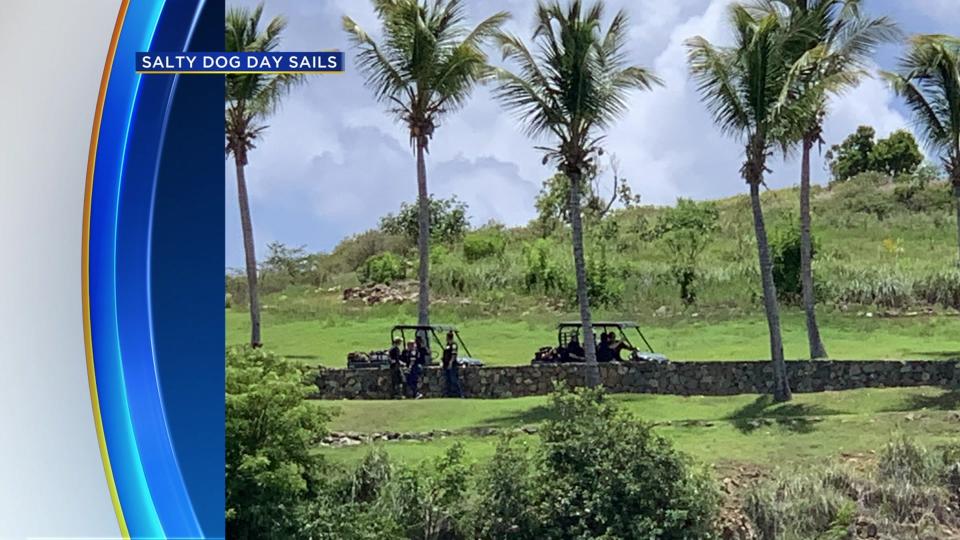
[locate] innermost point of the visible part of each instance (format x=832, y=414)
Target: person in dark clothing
x=396, y=367
x=575, y=352
x=451, y=368
x=604, y=352
x=618, y=346
x=414, y=360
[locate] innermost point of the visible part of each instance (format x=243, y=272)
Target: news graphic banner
x=240, y=62
x=112, y=319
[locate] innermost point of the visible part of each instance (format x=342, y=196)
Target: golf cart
x=569, y=331
x=435, y=335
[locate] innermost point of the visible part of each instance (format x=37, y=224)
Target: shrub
x=383, y=268
x=542, y=273
x=799, y=506
x=785, y=251
x=941, y=288
x=505, y=504
x=906, y=496
x=355, y=250
x=483, y=244
x=272, y=473
x=602, y=474
x=863, y=194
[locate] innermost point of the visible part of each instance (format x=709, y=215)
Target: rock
x=662, y=311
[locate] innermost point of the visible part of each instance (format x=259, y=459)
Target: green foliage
x=865, y=194
x=602, y=474
x=543, y=273
x=448, y=221
x=382, y=268
x=484, y=243
x=271, y=470
x=897, y=154
x=860, y=153
x=283, y=259
x=505, y=500
x=604, y=285
x=906, y=496
x=852, y=156
x=928, y=81
x=685, y=231
x=785, y=251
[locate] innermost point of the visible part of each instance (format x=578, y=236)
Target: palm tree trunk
x=250, y=255
x=956, y=196
x=781, y=388
x=423, y=236
x=817, y=349
x=580, y=267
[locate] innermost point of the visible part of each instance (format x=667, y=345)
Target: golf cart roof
x=433, y=327
x=617, y=324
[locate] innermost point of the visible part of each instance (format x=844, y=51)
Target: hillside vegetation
x=884, y=264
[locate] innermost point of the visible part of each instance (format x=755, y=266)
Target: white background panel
x=52, y=482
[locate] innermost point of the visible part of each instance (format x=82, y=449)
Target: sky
x=333, y=160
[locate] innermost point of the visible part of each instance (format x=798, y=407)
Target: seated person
x=618, y=345
x=575, y=351
x=605, y=352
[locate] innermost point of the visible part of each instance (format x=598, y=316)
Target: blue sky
x=333, y=161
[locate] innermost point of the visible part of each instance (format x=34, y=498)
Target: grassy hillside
x=885, y=267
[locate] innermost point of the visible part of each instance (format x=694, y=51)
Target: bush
x=941, y=288
x=505, y=505
x=383, y=268
x=863, y=194
x=353, y=251
x=906, y=496
x=542, y=272
x=600, y=473
x=483, y=244
x=785, y=251
x=271, y=471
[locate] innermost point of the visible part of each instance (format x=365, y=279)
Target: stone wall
x=682, y=378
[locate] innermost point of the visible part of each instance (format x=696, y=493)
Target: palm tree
x=929, y=81
x=425, y=67
x=749, y=89
x=573, y=87
x=249, y=100
x=836, y=42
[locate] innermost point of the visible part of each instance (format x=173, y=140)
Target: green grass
x=511, y=340
x=716, y=430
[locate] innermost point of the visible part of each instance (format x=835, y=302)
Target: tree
x=425, y=68
x=553, y=206
x=572, y=88
x=250, y=99
x=834, y=41
x=929, y=81
x=896, y=155
x=860, y=152
x=852, y=156
x=272, y=470
x=747, y=88
x=686, y=230
x=448, y=220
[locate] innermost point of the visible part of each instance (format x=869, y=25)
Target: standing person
x=417, y=356
x=396, y=368
x=451, y=368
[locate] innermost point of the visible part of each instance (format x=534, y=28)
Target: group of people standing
x=407, y=363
